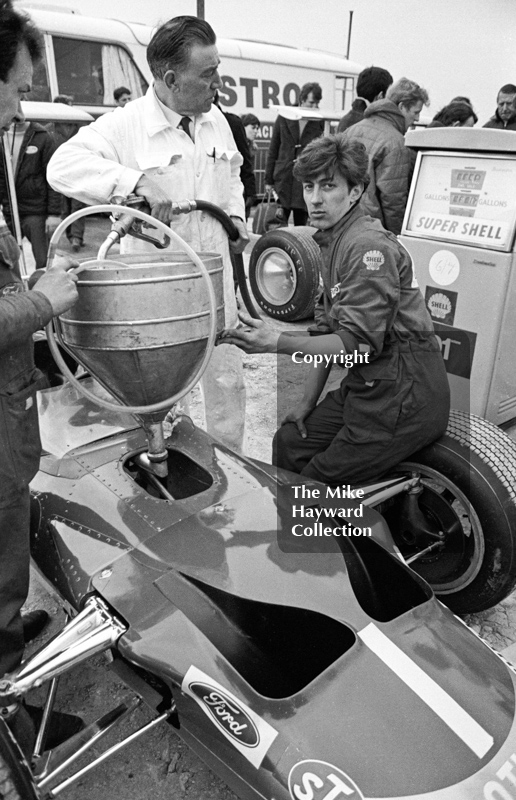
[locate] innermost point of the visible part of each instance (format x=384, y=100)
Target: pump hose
x=236, y=258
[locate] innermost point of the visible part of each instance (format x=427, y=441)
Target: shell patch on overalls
x=11, y=288
x=373, y=260
x=335, y=290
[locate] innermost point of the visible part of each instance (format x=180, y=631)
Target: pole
x=200, y=9
x=349, y=33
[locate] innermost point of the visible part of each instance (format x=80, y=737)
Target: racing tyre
x=284, y=273
x=15, y=776
x=469, y=479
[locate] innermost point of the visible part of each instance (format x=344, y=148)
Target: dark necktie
x=185, y=125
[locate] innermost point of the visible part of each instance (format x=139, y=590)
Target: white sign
x=467, y=199
x=444, y=267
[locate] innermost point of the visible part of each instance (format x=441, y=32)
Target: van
x=87, y=58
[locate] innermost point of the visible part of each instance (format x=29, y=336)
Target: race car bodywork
x=296, y=669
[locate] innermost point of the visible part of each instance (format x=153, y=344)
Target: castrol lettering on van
x=257, y=94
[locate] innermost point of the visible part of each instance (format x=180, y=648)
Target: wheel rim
x=458, y=563
x=276, y=276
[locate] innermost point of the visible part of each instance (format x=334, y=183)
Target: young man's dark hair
x=170, y=46
x=117, y=94
x=333, y=154
x=16, y=29
x=373, y=81
x=310, y=88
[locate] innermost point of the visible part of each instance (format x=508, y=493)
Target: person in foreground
x=21, y=314
x=370, y=314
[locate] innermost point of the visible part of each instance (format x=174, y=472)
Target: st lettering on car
x=244, y=728
x=319, y=780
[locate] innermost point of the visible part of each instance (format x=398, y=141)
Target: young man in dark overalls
x=395, y=396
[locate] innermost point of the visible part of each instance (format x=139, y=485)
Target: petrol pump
x=459, y=228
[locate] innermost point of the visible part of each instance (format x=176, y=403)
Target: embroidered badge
x=373, y=259
x=335, y=290
x=11, y=288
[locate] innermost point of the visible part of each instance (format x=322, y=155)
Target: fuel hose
x=236, y=258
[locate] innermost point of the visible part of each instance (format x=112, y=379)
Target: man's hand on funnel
x=160, y=204
x=58, y=284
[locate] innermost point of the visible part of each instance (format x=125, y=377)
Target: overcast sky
x=451, y=47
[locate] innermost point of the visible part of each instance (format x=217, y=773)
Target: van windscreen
x=90, y=71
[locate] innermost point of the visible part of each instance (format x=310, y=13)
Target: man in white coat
x=170, y=145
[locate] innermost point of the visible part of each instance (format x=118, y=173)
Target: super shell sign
x=465, y=199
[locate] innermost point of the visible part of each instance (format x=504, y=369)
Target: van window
x=40, y=83
x=90, y=71
x=344, y=91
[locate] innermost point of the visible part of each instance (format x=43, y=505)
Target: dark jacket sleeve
x=21, y=315
x=368, y=296
x=272, y=155
x=53, y=198
x=246, y=170
x=392, y=174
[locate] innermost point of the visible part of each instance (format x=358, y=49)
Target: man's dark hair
x=509, y=88
x=372, y=81
x=332, y=154
x=308, y=88
x=249, y=119
x=16, y=29
x=461, y=99
x=170, y=46
x=358, y=104
x=455, y=112
x=65, y=99
x=117, y=94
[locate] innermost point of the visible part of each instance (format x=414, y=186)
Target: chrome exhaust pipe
x=92, y=631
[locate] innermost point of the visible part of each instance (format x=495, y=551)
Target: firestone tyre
x=284, y=271
x=16, y=781
x=469, y=477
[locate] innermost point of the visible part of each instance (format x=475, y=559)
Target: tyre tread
x=489, y=442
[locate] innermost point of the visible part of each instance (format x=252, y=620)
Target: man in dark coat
x=372, y=85
x=39, y=207
x=504, y=117
x=289, y=138
x=391, y=164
